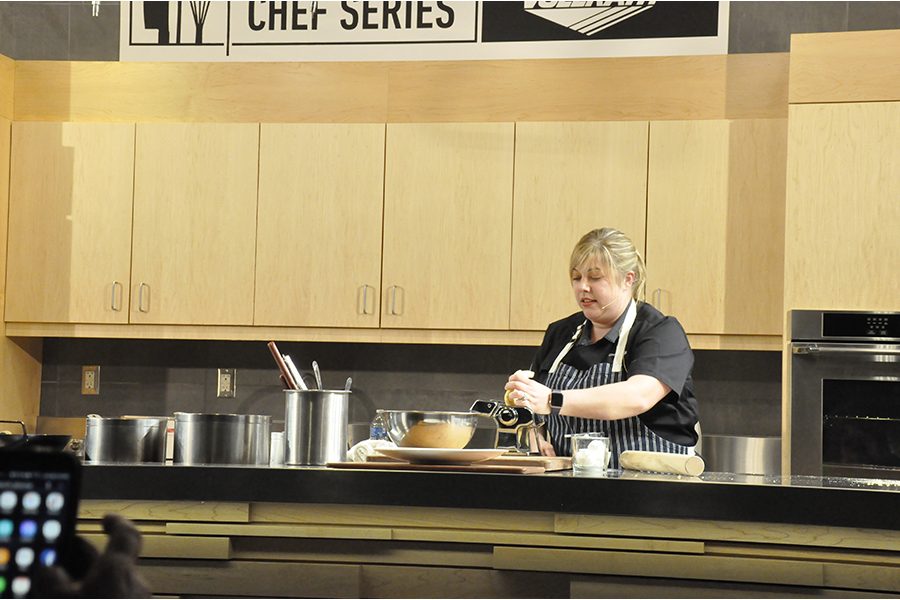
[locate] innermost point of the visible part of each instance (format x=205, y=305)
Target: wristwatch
x=556, y=402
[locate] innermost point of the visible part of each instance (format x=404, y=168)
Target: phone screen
x=38, y=507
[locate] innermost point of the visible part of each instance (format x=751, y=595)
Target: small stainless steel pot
x=125, y=439
x=223, y=439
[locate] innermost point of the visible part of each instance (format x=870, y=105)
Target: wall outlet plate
x=90, y=380
x=225, y=383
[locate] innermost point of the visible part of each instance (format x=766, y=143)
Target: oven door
x=845, y=410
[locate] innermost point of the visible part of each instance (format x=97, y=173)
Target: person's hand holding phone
x=110, y=574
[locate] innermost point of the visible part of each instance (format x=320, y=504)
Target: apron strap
x=619, y=357
x=567, y=347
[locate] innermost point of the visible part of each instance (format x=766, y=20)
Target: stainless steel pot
x=315, y=426
x=221, y=439
x=125, y=439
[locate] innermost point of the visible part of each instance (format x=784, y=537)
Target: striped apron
x=624, y=434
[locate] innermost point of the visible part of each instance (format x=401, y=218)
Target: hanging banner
x=423, y=30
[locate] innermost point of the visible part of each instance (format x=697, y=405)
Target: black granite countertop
x=868, y=503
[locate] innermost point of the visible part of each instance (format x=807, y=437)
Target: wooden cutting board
x=393, y=465
x=548, y=463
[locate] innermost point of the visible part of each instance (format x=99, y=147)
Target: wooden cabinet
x=447, y=224
x=411, y=228
x=570, y=178
x=70, y=222
x=194, y=238
x=318, y=248
x=715, y=236
x=843, y=207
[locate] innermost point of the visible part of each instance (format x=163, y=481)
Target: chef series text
x=304, y=16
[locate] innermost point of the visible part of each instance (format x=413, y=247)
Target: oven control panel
x=860, y=325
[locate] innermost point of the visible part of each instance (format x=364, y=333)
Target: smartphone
x=38, y=508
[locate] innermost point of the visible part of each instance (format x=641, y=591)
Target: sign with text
x=421, y=30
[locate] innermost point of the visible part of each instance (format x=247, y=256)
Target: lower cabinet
x=368, y=551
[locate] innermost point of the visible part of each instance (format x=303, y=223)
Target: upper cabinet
x=412, y=227
x=843, y=250
x=715, y=233
x=194, y=239
x=318, y=246
x=570, y=178
x=447, y=224
x=70, y=222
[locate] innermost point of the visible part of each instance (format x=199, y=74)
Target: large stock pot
x=125, y=439
x=223, y=439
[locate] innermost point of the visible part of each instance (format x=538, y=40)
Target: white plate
x=442, y=455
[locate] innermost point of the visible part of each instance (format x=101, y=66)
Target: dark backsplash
x=739, y=392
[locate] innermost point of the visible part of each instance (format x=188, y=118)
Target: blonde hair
x=616, y=254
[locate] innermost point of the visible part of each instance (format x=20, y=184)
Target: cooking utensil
x=125, y=439
x=282, y=367
x=429, y=429
x=318, y=375
x=662, y=462
x=295, y=373
x=213, y=438
x=315, y=426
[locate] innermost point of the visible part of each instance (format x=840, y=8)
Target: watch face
x=556, y=399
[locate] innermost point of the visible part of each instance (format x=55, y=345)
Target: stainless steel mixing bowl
x=429, y=428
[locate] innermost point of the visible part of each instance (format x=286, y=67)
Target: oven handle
x=844, y=349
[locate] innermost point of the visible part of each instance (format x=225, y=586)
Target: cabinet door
x=843, y=249
x=715, y=236
x=570, y=178
x=70, y=222
x=318, y=250
x=447, y=224
x=194, y=223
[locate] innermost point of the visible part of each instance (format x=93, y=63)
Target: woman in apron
x=618, y=366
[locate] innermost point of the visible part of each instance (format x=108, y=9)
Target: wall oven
x=845, y=393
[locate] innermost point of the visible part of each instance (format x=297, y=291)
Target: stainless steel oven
x=845, y=393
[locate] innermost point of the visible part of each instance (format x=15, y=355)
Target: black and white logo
x=587, y=17
x=627, y=20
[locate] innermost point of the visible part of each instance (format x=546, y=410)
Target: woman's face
x=600, y=297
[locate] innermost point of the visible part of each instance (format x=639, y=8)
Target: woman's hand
x=525, y=391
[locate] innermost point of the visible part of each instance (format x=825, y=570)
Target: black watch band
x=556, y=401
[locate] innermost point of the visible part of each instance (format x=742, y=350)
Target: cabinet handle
x=657, y=296
x=141, y=297
x=394, y=310
x=365, y=299
x=112, y=301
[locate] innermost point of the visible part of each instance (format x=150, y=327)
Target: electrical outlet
x=90, y=380
x=226, y=386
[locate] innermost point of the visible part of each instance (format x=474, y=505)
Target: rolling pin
x=662, y=462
